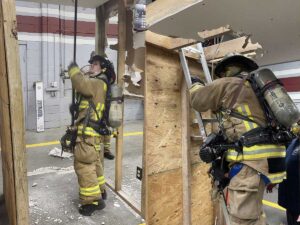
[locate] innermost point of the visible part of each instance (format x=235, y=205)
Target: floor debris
x=57, y=152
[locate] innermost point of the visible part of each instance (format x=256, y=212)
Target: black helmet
x=233, y=58
x=105, y=64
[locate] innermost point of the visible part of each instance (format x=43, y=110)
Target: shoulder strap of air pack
x=230, y=111
x=107, y=97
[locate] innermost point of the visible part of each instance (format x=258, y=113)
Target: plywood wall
x=163, y=146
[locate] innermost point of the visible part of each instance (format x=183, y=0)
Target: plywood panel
x=163, y=142
x=165, y=198
x=163, y=138
x=163, y=111
x=202, y=211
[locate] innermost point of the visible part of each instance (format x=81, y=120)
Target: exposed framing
x=170, y=190
x=102, y=14
x=11, y=119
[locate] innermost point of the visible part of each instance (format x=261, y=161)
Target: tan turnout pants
x=245, y=194
x=88, y=168
x=106, y=143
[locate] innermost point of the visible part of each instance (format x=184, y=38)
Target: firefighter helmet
x=106, y=65
x=235, y=59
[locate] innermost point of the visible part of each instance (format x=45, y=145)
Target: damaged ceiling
x=275, y=24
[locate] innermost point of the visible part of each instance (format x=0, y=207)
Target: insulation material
x=134, y=79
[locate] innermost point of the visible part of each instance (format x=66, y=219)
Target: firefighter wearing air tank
x=254, y=163
x=91, y=122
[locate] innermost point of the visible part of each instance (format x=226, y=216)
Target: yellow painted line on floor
x=42, y=144
x=57, y=142
x=133, y=134
x=273, y=205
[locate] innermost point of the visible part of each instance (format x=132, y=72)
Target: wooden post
x=11, y=118
x=121, y=72
x=101, y=26
x=186, y=162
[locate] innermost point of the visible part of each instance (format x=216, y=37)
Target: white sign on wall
x=39, y=100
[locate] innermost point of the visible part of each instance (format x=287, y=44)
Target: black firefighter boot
x=104, y=194
x=87, y=210
x=108, y=155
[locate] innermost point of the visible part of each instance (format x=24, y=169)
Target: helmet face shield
x=100, y=64
x=232, y=70
x=237, y=60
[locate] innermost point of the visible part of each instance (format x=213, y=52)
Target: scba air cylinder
x=115, y=112
x=140, y=24
x=280, y=103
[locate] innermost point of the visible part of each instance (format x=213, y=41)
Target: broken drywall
x=273, y=24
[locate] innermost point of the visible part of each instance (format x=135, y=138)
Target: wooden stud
x=101, y=26
x=11, y=119
x=121, y=72
x=186, y=162
x=127, y=199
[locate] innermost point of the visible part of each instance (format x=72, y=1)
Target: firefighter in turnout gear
x=255, y=167
x=107, y=148
x=91, y=92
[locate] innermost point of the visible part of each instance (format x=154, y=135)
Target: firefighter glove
x=71, y=65
x=197, y=80
x=73, y=69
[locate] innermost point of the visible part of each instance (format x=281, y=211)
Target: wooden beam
x=121, y=72
x=11, y=119
x=209, y=34
x=111, y=8
x=162, y=9
x=168, y=42
x=186, y=162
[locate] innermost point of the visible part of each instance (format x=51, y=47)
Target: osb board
x=194, y=152
x=163, y=143
x=163, y=111
x=202, y=210
x=165, y=198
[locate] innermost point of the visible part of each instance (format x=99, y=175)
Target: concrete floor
x=53, y=188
